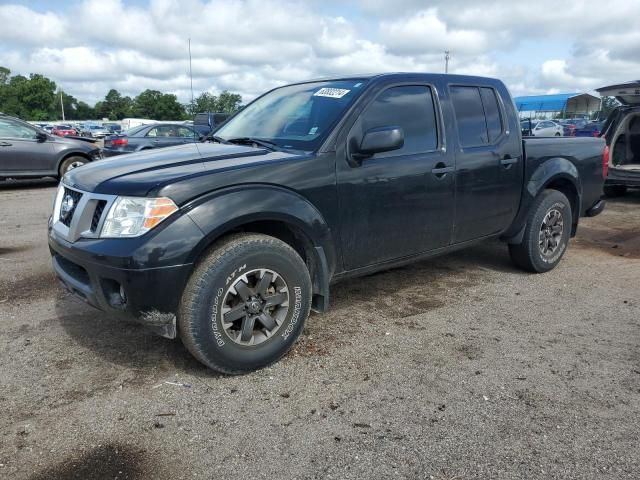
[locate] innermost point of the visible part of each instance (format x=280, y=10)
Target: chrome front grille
x=80, y=214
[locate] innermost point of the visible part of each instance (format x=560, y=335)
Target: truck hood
x=136, y=174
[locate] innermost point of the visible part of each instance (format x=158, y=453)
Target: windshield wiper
x=254, y=141
x=215, y=138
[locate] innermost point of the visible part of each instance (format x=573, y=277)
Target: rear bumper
x=112, y=152
x=619, y=176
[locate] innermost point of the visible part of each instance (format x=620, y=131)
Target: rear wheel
x=558, y=134
x=546, y=234
x=71, y=163
x=615, y=190
x=245, y=303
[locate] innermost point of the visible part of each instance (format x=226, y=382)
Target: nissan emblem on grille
x=67, y=207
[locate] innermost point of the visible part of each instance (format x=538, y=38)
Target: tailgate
x=626, y=93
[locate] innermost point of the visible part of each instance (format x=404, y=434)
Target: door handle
x=507, y=161
x=5, y=144
x=441, y=170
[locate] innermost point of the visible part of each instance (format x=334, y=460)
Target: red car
x=64, y=130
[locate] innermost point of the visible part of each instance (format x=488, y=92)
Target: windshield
x=296, y=116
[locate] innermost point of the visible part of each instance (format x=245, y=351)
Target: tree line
x=37, y=97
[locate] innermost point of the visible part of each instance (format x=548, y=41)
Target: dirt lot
x=460, y=367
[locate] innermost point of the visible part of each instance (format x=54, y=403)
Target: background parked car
x=206, y=121
x=547, y=128
x=591, y=129
x=64, y=130
x=98, y=131
x=149, y=136
x=29, y=152
x=570, y=125
x=526, y=126
x=113, y=128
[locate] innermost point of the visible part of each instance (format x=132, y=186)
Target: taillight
x=605, y=161
x=119, y=141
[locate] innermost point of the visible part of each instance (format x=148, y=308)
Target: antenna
x=447, y=56
x=191, y=74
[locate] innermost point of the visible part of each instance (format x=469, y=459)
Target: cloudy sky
x=248, y=46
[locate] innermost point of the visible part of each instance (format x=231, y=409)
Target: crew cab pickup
x=229, y=243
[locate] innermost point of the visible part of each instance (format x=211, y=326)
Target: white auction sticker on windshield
x=331, y=92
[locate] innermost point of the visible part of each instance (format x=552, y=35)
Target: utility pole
x=446, y=61
x=61, y=105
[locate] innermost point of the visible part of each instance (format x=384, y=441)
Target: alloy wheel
x=255, y=306
x=551, y=232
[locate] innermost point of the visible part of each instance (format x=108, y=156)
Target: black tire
x=612, y=191
x=529, y=254
x=71, y=163
x=558, y=134
x=200, y=315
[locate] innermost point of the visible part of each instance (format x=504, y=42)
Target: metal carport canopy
x=569, y=102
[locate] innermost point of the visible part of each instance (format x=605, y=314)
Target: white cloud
x=253, y=45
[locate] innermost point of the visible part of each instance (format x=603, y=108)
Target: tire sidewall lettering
x=215, y=310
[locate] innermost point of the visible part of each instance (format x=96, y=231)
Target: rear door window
x=492, y=113
x=472, y=126
x=478, y=115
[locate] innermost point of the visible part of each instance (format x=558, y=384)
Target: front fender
x=230, y=208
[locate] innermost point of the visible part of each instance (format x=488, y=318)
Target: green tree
x=228, y=102
x=608, y=105
x=114, y=106
x=85, y=112
x=205, y=102
x=158, y=106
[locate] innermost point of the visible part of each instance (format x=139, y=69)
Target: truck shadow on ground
x=394, y=294
x=616, y=231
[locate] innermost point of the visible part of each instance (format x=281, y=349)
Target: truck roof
x=371, y=76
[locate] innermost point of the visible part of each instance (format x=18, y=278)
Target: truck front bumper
x=149, y=295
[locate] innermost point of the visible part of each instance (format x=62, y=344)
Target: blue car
x=150, y=136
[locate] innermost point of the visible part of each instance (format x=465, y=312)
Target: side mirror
x=41, y=136
x=381, y=139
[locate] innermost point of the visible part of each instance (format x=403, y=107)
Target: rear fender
x=554, y=171
x=229, y=209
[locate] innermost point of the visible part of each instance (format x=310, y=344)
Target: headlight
x=134, y=216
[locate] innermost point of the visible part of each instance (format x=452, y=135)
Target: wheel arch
x=556, y=173
x=71, y=153
x=273, y=211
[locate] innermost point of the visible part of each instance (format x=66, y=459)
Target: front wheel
x=558, y=134
x=245, y=304
x=546, y=234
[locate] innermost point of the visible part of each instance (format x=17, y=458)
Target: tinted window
x=164, y=131
x=11, y=129
x=186, y=132
x=472, y=127
x=412, y=109
x=491, y=113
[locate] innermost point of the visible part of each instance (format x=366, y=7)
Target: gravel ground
x=455, y=368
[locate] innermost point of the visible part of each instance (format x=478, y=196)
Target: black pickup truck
x=229, y=243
